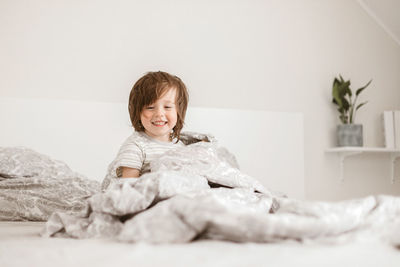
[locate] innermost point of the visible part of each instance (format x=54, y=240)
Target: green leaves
x=336, y=93
x=360, y=105
x=362, y=88
x=342, y=97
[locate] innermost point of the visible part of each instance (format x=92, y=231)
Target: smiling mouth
x=159, y=123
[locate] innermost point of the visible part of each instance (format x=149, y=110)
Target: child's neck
x=167, y=139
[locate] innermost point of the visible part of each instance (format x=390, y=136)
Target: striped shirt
x=137, y=152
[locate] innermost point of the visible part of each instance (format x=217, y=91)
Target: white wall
x=267, y=55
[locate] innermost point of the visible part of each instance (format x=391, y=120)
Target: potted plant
x=348, y=133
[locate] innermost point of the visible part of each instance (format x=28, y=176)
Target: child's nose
x=159, y=111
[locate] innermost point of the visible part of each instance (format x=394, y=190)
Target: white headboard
x=87, y=136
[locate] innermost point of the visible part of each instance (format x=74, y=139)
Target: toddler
x=157, y=108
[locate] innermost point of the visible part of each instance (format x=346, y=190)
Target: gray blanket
x=193, y=192
x=33, y=186
x=175, y=203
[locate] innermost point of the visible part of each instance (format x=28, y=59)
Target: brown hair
x=151, y=87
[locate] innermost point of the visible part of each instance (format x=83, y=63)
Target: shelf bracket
x=344, y=152
x=393, y=158
x=342, y=156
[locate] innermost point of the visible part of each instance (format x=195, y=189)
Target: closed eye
x=149, y=107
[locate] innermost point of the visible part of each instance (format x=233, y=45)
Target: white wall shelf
x=345, y=152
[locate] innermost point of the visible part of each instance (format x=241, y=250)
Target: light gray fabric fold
x=36, y=198
x=193, y=192
x=33, y=186
x=174, y=203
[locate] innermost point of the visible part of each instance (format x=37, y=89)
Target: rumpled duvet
x=194, y=192
x=33, y=186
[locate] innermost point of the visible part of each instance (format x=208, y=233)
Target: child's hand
x=130, y=173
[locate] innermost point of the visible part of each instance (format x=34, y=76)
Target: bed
x=61, y=128
x=87, y=135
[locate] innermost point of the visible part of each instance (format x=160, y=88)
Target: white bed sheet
x=21, y=245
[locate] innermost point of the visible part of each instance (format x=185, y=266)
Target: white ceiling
x=386, y=13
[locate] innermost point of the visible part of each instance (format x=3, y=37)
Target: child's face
x=159, y=118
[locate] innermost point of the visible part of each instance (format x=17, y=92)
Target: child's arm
x=130, y=172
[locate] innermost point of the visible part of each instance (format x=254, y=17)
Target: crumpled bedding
x=33, y=186
x=193, y=193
